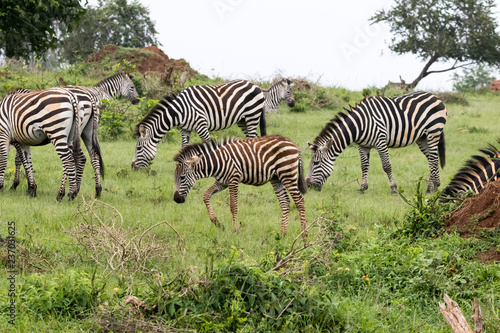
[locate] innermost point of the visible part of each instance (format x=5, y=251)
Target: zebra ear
x=130, y=76
x=142, y=130
x=312, y=146
x=292, y=84
x=193, y=160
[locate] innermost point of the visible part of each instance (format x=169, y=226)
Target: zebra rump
x=476, y=173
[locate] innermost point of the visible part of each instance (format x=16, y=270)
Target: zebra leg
x=216, y=187
x=18, y=162
x=186, y=135
x=386, y=164
x=284, y=201
x=242, y=124
x=233, y=203
x=25, y=156
x=69, y=170
x=364, y=154
x=298, y=199
x=252, y=127
x=430, y=150
x=4, y=152
x=80, y=167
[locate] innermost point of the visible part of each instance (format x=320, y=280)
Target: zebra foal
x=201, y=109
x=251, y=161
x=382, y=123
x=37, y=118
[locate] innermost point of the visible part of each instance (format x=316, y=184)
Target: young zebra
x=476, y=173
x=382, y=123
x=252, y=161
x=38, y=118
x=280, y=91
x=201, y=109
x=90, y=98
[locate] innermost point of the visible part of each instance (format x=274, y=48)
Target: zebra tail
x=76, y=133
x=95, y=141
x=262, y=123
x=442, y=150
x=301, y=181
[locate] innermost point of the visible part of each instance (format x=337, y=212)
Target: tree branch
x=450, y=69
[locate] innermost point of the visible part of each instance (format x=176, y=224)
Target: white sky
x=329, y=41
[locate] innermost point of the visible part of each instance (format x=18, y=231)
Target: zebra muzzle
x=179, y=198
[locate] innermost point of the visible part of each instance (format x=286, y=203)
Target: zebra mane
x=475, y=165
x=202, y=148
x=278, y=82
x=334, y=122
x=167, y=99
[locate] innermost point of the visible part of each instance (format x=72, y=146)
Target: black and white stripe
x=476, y=173
x=37, y=118
x=201, y=109
x=89, y=99
x=280, y=91
x=382, y=123
x=252, y=161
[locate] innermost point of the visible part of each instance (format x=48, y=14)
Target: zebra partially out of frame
x=37, y=118
x=201, y=109
x=382, y=123
x=252, y=161
x=89, y=98
x=476, y=173
x=280, y=91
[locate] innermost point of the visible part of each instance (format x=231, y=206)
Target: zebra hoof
x=60, y=196
x=98, y=191
x=32, y=192
x=14, y=186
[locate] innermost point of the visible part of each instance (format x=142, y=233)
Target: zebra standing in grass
x=37, y=118
x=382, y=123
x=280, y=91
x=117, y=85
x=201, y=109
x=476, y=173
x=253, y=161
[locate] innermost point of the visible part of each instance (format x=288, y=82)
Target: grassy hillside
x=356, y=272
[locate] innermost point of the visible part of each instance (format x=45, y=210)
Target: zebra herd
x=62, y=116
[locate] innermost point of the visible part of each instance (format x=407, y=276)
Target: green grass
x=145, y=198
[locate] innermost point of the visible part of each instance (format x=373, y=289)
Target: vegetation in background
x=30, y=27
x=429, y=30
x=473, y=79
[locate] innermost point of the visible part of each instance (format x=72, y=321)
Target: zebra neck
x=107, y=89
x=343, y=131
x=205, y=168
x=271, y=97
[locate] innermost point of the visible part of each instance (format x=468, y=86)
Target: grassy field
x=145, y=198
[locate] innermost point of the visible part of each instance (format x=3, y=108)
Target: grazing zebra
x=280, y=91
x=201, y=109
x=37, y=118
x=252, y=161
x=382, y=123
x=90, y=97
x=476, y=173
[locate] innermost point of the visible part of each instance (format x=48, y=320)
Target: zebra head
x=145, y=149
x=287, y=92
x=321, y=165
x=184, y=178
x=127, y=89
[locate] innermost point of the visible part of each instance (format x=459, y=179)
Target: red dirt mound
x=495, y=85
x=478, y=214
x=153, y=60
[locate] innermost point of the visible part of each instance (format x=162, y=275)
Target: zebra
x=201, y=109
x=382, y=123
x=37, y=118
x=280, y=91
x=117, y=85
x=252, y=161
x=476, y=173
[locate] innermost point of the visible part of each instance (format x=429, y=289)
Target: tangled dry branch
x=101, y=233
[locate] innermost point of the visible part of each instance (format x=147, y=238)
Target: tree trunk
x=424, y=71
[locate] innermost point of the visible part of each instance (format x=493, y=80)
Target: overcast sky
x=329, y=41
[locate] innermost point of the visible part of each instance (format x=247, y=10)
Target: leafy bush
x=472, y=79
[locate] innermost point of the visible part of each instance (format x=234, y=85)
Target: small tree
x=472, y=79
x=113, y=22
x=30, y=26
x=441, y=30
